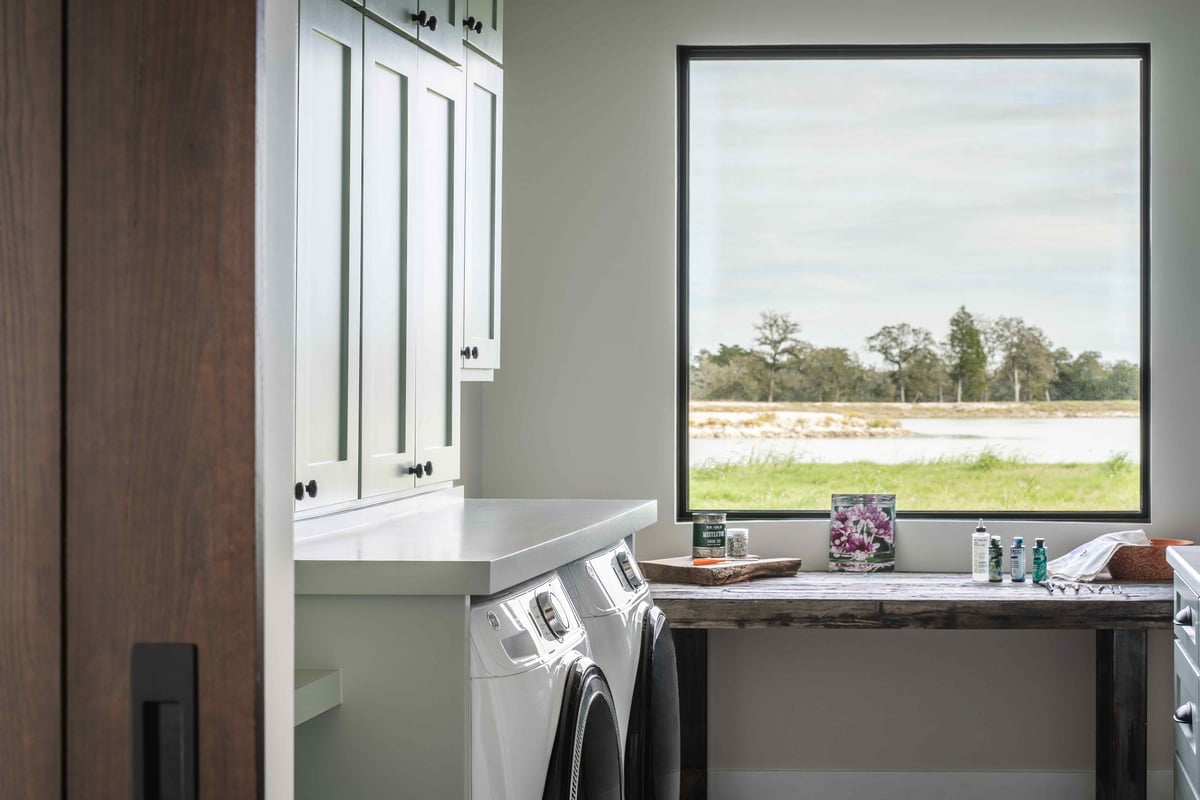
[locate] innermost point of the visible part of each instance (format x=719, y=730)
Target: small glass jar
x=708, y=534
x=737, y=543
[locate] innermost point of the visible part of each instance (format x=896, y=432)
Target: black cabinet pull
x=473, y=25
x=428, y=467
x=299, y=490
x=425, y=20
x=311, y=488
x=474, y=352
x=1183, y=714
x=1184, y=617
x=418, y=470
x=465, y=352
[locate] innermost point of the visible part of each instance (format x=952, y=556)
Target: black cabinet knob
x=1184, y=617
x=432, y=24
x=473, y=25
x=311, y=488
x=465, y=352
x=428, y=467
x=425, y=20
x=418, y=470
x=1183, y=714
x=474, y=352
x=299, y=490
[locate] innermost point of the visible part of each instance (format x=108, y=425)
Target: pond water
x=1047, y=441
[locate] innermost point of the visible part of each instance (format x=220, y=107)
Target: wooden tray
x=681, y=570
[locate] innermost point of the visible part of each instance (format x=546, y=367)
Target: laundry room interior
x=638, y=400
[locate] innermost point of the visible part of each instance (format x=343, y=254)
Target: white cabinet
x=389, y=286
x=481, y=314
x=1187, y=690
x=438, y=216
x=435, y=23
x=484, y=27
x=380, y=261
x=391, y=263
x=329, y=166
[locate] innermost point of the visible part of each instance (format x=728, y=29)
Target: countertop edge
x=478, y=577
x=1182, y=559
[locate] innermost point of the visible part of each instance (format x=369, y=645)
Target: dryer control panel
x=605, y=581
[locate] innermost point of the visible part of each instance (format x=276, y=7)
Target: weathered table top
x=912, y=600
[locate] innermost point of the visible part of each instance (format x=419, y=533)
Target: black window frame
x=686, y=54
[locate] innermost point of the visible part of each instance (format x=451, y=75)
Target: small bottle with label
x=979, y=554
x=1018, y=559
x=1039, y=560
x=995, y=561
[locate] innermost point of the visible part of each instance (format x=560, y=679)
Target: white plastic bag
x=1088, y=560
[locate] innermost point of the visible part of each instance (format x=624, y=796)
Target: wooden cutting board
x=681, y=570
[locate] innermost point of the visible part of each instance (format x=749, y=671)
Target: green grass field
x=985, y=482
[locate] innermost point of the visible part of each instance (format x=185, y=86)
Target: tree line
x=979, y=359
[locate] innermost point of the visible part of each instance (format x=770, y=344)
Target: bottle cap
x=1039, y=542
x=1018, y=541
x=981, y=528
x=995, y=541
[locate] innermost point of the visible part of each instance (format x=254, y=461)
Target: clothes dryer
x=630, y=638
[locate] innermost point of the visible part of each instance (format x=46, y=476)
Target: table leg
x=691, y=658
x=1121, y=714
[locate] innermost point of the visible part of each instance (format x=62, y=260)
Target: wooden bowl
x=1142, y=563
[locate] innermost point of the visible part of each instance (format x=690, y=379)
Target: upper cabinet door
x=437, y=24
x=438, y=216
x=329, y=167
x=389, y=259
x=446, y=35
x=481, y=318
x=484, y=27
x=401, y=14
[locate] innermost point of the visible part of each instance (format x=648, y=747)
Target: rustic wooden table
x=1121, y=614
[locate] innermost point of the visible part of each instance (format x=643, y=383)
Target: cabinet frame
x=483, y=263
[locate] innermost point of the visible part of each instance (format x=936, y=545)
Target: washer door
x=652, y=744
x=586, y=762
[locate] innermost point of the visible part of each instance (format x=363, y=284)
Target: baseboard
x=846, y=785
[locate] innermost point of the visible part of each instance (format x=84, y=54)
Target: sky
x=857, y=194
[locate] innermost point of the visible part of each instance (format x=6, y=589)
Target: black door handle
x=428, y=467
x=418, y=470
x=165, y=731
x=311, y=488
x=473, y=25
x=299, y=490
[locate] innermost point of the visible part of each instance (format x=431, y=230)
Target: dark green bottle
x=995, y=561
x=1039, y=561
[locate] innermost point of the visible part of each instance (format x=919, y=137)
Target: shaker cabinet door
x=389, y=260
x=485, y=82
x=438, y=218
x=446, y=35
x=486, y=31
x=329, y=168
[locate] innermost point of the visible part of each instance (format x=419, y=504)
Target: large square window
x=919, y=270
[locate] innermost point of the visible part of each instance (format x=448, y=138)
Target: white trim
x=275, y=224
x=835, y=785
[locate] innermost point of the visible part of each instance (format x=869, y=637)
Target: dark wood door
x=30, y=418
x=160, y=378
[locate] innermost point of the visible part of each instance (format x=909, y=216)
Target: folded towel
x=1087, y=561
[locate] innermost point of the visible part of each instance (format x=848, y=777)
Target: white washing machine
x=543, y=721
x=631, y=641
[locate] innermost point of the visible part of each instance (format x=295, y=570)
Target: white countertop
x=464, y=547
x=1186, y=561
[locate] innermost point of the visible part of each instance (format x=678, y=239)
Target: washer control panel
x=514, y=632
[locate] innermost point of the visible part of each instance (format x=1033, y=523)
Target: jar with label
x=737, y=543
x=708, y=534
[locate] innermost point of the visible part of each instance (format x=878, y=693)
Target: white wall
x=585, y=403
